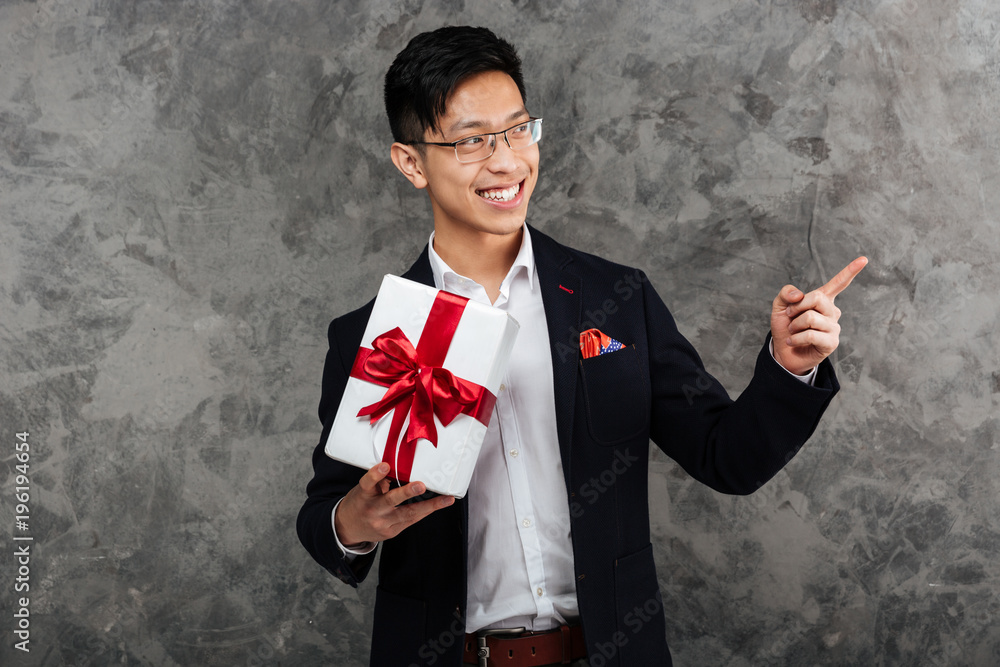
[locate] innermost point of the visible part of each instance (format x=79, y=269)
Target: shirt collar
x=525, y=260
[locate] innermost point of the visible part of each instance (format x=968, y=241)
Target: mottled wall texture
x=190, y=191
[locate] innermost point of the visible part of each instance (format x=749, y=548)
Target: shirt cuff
x=356, y=549
x=809, y=378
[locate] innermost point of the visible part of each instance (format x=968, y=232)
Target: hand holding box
x=423, y=408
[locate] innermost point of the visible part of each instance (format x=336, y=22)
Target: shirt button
x=539, y=591
x=513, y=453
x=526, y=523
x=503, y=387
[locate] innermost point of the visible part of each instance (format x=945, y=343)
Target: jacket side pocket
x=399, y=628
x=639, y=610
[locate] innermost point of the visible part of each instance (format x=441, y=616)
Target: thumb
x=788, y=295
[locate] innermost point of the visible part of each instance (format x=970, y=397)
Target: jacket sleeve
x=332, y=479
x=732, y=446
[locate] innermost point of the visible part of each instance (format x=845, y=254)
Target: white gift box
x=477, y=354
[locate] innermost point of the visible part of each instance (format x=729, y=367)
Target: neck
x=483, y=257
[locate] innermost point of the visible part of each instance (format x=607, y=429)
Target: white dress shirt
x=520, y=569
x=520, y=552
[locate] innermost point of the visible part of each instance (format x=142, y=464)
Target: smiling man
x=479, y=191
x=548, y=559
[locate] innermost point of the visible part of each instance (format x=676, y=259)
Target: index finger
x=840, y=281
x=369, y=482
x=405, y=492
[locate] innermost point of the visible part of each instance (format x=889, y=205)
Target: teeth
x=505, y=194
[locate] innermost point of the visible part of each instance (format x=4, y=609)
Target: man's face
x=489, y=196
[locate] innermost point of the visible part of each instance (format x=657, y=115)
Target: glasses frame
x=493, y=147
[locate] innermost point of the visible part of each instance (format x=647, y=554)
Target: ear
x=409, y=161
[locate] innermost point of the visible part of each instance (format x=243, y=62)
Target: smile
x=500, y=194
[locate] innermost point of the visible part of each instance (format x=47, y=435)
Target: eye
x=520, y=129
x=472, y=142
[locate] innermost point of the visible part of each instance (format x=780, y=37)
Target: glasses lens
x=481, y=146
x=475, y=148
x=525, y=134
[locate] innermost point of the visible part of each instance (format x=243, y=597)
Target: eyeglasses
x=481, y=146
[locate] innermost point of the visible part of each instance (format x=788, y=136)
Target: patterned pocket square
x=593, y=343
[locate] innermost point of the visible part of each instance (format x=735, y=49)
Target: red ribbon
x=417, y=384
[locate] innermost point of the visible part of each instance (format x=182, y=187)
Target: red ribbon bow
x=418, y=386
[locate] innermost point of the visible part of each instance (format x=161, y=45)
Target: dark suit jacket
x=607, y=410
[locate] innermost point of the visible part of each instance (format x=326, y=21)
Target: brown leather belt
x=516, y=648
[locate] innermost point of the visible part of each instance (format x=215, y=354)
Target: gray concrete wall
x=191, y=191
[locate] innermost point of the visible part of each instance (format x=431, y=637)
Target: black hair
x=425, y=73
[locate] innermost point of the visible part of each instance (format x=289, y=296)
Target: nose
x=507, y=141
x=503, y=156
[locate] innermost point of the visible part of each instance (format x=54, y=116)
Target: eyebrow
x=482, y=125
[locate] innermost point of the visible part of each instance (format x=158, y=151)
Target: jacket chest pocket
x=615, y=396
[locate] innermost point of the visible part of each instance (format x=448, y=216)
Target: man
x=548, y=558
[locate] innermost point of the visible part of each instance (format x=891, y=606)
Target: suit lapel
x=421, y=272
x=562, y=297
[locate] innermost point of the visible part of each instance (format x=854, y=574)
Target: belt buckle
x=483, y=651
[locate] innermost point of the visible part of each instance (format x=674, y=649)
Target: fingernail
x=795, y=294
x=383, y=467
